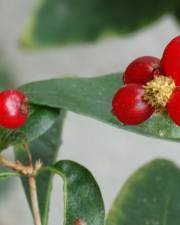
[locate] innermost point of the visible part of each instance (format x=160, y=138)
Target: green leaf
x=39, y=121
x=63, y=22
x=150, y=196
x=44, y=148
x=6, y=173
x=82, y=197
x=6, y=184
x=92, y=97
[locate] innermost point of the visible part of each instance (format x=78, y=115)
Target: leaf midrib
x=30, y=94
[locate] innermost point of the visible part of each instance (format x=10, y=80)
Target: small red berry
x=128, y=105
x=170, y=62
x=142, y=70
x=13, y=109
x=79, y=222
x=173, y=107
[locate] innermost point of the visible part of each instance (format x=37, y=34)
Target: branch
x=18, y=166
x=31, y=172
x=34, y=200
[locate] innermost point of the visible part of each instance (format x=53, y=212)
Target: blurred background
x=111, y=154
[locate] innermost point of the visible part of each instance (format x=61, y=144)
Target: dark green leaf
x=44, y=148
x=150, y=197
x=92, y=97
x=67, y=21
x=177, y=13
x=82, y=197
x=39, y=121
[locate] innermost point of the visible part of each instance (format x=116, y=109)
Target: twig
x=34, y=200
x=18, y=167
x=31, y=172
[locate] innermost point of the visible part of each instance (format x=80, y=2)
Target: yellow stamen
x=158, y=91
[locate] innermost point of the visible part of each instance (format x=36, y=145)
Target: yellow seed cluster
x=158, y=91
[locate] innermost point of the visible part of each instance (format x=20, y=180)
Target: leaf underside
x=92, y=97
x=82, y=197
x=150, y=196
x=46, y=149
x=64, y=22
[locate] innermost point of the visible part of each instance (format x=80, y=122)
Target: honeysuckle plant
x=36, y=140
x=137, y=100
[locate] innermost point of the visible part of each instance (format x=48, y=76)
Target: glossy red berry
x=142, y=70
x=13, y=109
x=170, y=62
x=128, y=105
x=173, y=107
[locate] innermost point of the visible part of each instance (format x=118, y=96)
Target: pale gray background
x=111, y=154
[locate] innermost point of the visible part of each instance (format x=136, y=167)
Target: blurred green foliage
x=59, y=22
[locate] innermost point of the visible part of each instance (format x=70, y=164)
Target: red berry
x=170, y=62
x=128, y=105
x=13, y=109
x=142, y=70
x=173, y=107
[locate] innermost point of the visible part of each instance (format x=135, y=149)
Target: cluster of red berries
x=13, y=109
x=150, y=85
